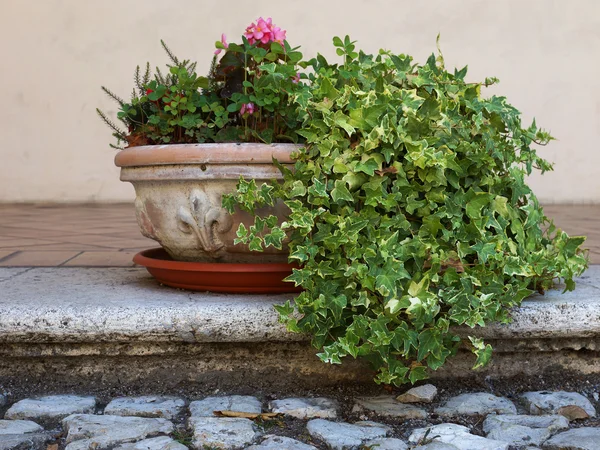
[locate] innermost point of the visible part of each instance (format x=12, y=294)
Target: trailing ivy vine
x=409, y=213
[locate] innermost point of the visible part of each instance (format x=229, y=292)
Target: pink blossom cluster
x=247, y=108
x=264, y=31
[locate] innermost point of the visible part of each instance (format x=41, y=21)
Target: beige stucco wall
x=56, y=54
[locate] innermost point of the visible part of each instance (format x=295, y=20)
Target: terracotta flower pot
x=179, y=189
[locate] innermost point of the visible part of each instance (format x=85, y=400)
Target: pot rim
x=222, y=153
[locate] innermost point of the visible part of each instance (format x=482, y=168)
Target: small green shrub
x=409, y=213
x=246, y=97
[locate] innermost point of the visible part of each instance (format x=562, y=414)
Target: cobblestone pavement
x=420, y=418
x=108, y=236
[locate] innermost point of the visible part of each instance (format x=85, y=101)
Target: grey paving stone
x=222, y=432
x=576, y=439
x=457, y=435
x=388, y=406
x=238, y=403
x=280, y=443
x=35, y=441
x=146, y=406
x=51, y=408
x=436, y=446
x=85, y=430
x=386, y=444
x=478, y=403
x=19, y=427
x=342, y=436
x=306, y=408
x=419, y=394
x=518, y=435
x=547, y=402
x=370, y=423
x=553, y=422
x=158, y=443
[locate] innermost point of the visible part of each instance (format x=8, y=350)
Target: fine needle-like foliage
x=409, y=213
x=245, y=98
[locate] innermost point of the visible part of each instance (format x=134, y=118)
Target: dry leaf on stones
x=573, y=412
x=245, y=415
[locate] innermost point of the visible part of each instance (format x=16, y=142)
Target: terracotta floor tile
x=102, y=259
x=38, y=259
x=10, y=242
x=65, y=246
x=129, y=234
x=30, y=232
x=135, y=250
x=108, y=241
x=5, y=253
x=108, y=233
x=108, y=229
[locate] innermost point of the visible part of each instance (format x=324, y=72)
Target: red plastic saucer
x=259, y=278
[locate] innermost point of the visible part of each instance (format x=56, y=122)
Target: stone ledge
x=116, y=305
x=81, y=305
x=68, y=327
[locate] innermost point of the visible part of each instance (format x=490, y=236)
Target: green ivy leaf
x=418, y=373
x=369, y=166
x=341, y=192
x=256, y=244
x=482, y=351
x=475, y=206
x=429, y=342
x=274, y=238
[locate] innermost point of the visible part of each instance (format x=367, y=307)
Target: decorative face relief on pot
x=206, y=220
x=188, y=221
x=179, y=205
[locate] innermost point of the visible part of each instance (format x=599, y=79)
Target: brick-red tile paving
x=107, y=235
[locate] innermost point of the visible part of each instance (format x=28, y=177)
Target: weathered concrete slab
x=555, y=315
x=115, y=325
x=6, y=273
x=110, y=304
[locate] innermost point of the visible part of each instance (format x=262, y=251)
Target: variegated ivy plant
x=409, y=213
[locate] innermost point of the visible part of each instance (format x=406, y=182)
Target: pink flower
x=296, y=79
x=264, y=31
x=224, y=42
x=247, y=108
x=278, y=34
